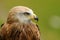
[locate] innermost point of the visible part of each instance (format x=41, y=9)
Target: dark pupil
x=26, y=13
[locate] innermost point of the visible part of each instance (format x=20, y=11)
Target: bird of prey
x=19, y=25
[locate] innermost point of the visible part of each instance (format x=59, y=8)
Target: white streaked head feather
x=19, y=10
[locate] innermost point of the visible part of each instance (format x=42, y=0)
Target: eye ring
x=26, y=13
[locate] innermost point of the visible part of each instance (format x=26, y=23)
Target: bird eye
x=26, y=13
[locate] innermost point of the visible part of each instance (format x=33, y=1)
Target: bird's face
x=24, y=14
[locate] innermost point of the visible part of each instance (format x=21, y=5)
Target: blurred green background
x=48, y=12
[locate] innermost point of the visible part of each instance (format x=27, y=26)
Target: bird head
x=22, y=14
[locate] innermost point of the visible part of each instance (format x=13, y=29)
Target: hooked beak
x=34, y=17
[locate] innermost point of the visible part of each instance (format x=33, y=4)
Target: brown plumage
x=2, y=25
x=15, y=29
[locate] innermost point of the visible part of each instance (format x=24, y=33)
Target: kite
x=19, y=25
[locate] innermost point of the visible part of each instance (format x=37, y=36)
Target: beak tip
x=36, y=18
